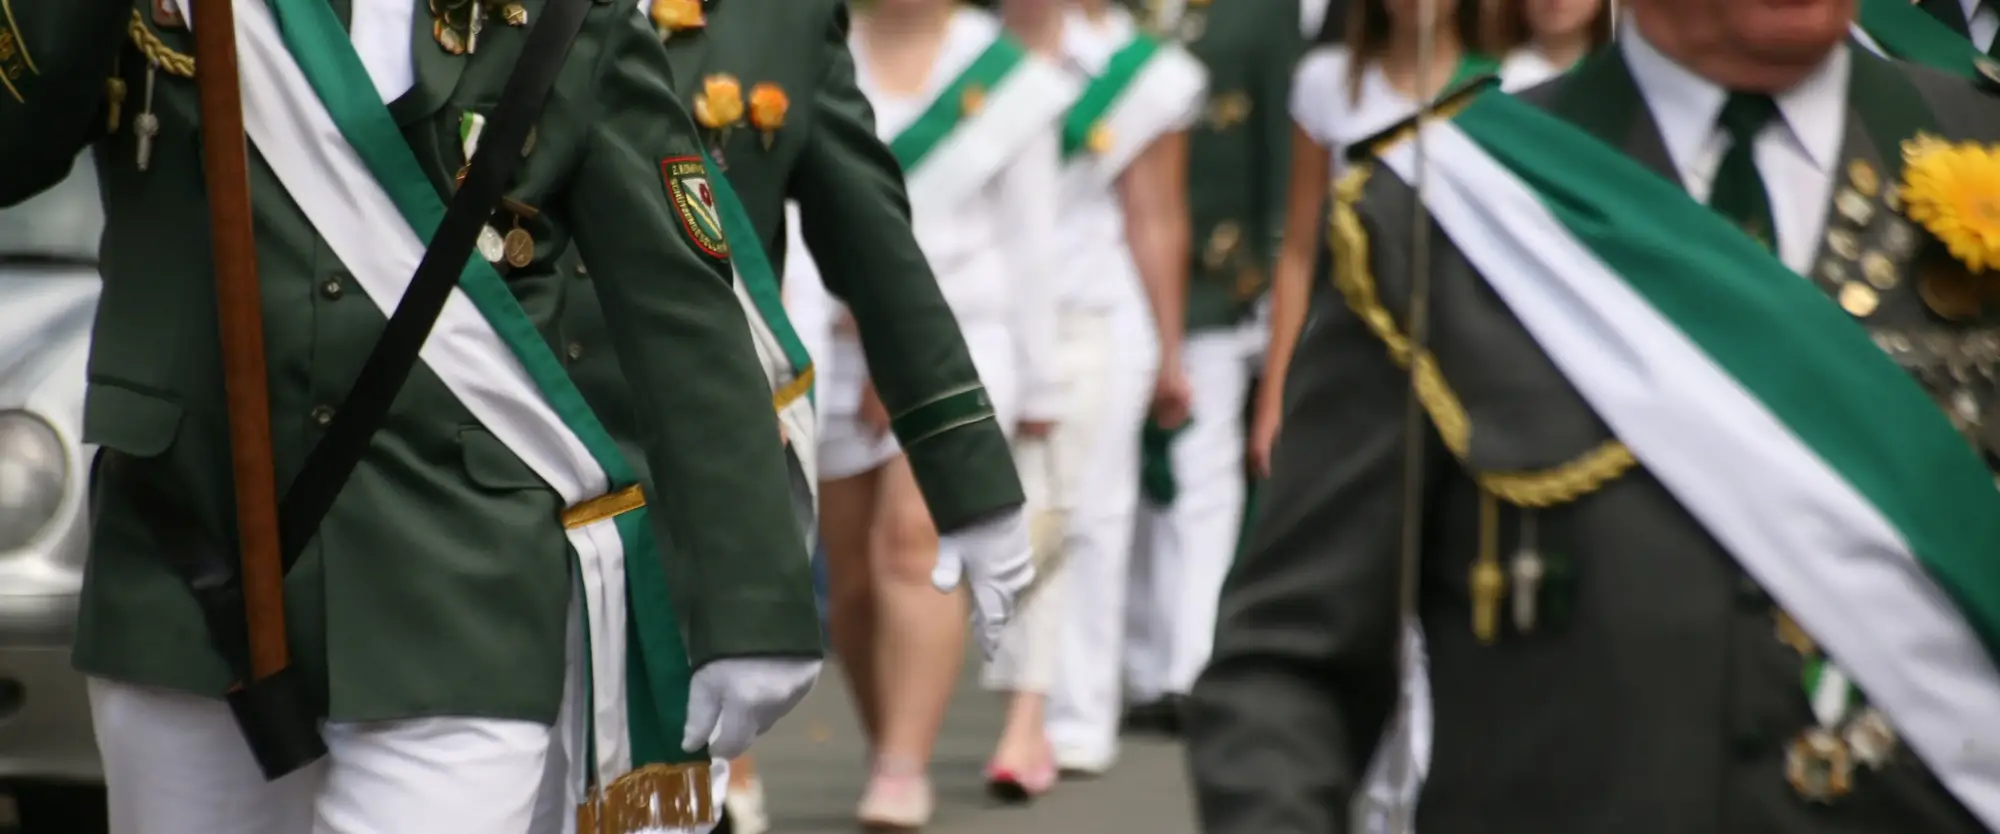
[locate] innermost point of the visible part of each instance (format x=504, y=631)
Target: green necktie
x=1739, y=193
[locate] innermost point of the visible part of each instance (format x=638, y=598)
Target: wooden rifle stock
x=267, y=703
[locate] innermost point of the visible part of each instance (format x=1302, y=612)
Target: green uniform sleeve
x=855, y=219
x=718, y=491
x=56, y=58
x=1272, y=121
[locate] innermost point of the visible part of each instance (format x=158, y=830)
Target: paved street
x=812, y=766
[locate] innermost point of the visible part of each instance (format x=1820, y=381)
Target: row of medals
x=456, y=24
x=1821, y=763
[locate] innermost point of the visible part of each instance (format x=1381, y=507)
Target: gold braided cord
x=1535, y=489
x=157, y=53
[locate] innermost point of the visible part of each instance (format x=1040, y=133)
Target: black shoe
x=1161, y=717
x=723, y=825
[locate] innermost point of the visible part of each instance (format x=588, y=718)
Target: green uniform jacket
x=825, y=155
x=1239, y=156
x=438, y=584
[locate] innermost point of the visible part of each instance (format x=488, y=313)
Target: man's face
x=1776, y=31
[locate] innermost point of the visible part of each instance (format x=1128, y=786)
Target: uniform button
x=1749, y=745
x=575, y=351
x=323, y=414
x=1749, y=593
x=582, y=271
x=332, y=288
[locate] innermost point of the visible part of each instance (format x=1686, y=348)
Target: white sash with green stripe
x=1147, y=89
x=1821, y=466
x=1000, y=99
x=359, y=184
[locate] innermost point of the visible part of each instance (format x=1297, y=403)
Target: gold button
x=1859, y=299
x=332, y=288
x=575, y=351
x=323, y=415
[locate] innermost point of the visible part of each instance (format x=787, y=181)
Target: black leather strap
x=330, y=463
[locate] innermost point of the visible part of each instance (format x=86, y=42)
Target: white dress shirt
x=1982, y=22
x=1796, y=154
x=994, y=254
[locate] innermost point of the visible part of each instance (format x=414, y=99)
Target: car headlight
x=34, y=474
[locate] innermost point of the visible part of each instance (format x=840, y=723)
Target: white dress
x=990, y=244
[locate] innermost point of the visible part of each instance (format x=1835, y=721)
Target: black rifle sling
x=328, y=466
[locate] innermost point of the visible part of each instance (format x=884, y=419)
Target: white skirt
x=848, y=446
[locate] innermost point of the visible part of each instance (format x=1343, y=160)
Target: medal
x=1856, y=208
x=1862, y=176
x=1879, y=270
x=1859, y=299
x=1951, y=293
x=520, y=246
x=1844, y=243
x=1819, y=766
x=1870, y=738
x=491, y=246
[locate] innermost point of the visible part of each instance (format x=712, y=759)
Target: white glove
x=734, y=700
x=999, y=561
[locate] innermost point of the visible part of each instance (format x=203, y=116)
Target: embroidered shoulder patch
x=693, y=197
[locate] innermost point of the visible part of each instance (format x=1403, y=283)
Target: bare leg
x=846, y=517
x=920, y=636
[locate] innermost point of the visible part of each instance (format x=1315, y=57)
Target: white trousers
x=176, y=764
x=1182, y=551
x=1050, y=468
x=1085, y=700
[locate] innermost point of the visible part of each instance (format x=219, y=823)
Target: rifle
x=267, y=701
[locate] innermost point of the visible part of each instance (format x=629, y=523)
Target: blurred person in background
x=1192, y=475
x=1124, y=253
x=974, y=119
x=1556, y=33
x=1340, y=94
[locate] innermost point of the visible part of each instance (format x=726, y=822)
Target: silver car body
x=48, y=297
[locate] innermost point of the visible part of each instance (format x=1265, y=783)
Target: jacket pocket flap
x=136, y=423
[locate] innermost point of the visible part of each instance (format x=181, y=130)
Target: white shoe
x=746, y=808
x=1078, y=761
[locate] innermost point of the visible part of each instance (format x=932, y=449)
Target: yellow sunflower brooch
x=1953, y=190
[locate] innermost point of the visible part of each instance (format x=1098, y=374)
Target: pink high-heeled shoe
x=1019, y=787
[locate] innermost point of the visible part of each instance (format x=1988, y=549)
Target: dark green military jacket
x=825, y=155
x=1660, y=692
x=1239, y=155
x=439, y=582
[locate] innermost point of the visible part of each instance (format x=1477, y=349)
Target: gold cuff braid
x=1352, y=275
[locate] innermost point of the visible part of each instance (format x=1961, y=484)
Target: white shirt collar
x=1685, y=105
x=1971, y=7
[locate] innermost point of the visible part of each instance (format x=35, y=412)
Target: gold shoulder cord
x=157, y=53
x=1535, y=489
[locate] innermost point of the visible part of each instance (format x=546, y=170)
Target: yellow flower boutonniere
x=719, y=105
x=1953, y=190
x=1098, y=140
x=670, y=16
x=768, y=105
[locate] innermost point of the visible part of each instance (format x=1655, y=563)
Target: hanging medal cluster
x=456, y=24
x=1846, y=734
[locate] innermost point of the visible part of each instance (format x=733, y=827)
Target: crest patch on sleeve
x=693, y=197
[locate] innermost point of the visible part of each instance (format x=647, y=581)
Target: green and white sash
x=1001, y=99
x=1147, y=89
x=1897, y=29
x=1768, y=413
x=315, y=115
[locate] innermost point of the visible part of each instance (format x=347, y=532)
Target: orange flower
x=720, y=102
x=1098, y=140
x=670, y=16
x=972, y=100
x=768, y=104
